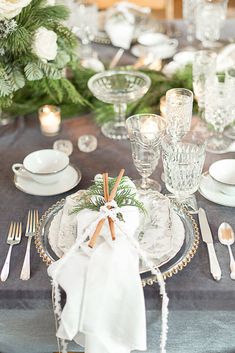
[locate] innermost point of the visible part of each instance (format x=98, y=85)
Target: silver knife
x=207, y=238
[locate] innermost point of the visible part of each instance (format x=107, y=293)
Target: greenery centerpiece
x=39, y=65
x=35, y=50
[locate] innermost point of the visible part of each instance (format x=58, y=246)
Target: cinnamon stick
x=114, y=191
x=108, y=198
x=96, y=233
x=106, y=195
x=106, y=186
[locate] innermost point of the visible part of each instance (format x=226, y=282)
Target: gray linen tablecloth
x=202, y=315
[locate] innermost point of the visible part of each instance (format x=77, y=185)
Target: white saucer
x=69, y=179
x=162, y=51
x=209, y=190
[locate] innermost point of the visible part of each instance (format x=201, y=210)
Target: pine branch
x=66, y=35
x=18, y=42
x=94, y=196
x=37, y=14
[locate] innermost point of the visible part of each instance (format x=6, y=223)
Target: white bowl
x=44, y=166
x=223, y=174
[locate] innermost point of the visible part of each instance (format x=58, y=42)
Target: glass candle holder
x=87, y=143
x=50, y=120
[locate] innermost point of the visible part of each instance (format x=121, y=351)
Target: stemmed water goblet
x=218, y=105
x=183, y=162
x=118, y=88
x=179, y=107
x=204, y=66
x=145, y=133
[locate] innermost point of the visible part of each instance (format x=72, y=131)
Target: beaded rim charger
x=147, y=278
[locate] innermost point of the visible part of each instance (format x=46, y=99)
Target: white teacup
x=223, y=174
x=44, y=166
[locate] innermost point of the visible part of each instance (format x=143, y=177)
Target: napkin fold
x=105, y=309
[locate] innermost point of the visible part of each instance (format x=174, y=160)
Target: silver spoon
x=226, y=237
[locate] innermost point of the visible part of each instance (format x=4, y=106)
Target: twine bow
x=109, y=204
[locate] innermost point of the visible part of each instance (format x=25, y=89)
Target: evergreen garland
x=25, y=78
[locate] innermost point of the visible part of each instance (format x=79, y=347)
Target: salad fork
x=13, y=238
x=32, y=221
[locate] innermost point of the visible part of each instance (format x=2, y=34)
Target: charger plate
x=168, y=268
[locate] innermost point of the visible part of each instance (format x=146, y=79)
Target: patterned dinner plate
x=169, y=265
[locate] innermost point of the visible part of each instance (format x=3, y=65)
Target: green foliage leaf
x=33, y=72
x=62, y=59
x=50, y=70
x=17, y=79
x=5, y=88
x=6, y=102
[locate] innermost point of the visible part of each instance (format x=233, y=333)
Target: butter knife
x=207, y=238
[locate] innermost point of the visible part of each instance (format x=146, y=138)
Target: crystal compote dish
x=118, y=88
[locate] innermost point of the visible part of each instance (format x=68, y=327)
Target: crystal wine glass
x=210, y=15
x=189, y=9
x=118, y=88
x=85, y=16
x=204, y=66
x=230, y=87
x=183, y=162
x=217, y=113
x=145, y=132
x=179, y=105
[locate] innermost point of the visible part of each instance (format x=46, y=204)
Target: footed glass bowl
x=118, y=88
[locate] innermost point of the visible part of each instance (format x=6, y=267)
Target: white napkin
x=104, y=308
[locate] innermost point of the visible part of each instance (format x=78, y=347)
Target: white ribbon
x=109, y=209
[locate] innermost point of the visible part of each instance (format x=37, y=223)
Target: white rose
x=11, y=8
x=45, y=45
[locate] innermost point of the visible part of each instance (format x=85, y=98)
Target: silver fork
x=13, y=238
x=32, y=222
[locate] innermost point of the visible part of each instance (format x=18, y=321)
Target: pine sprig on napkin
x=93, y=198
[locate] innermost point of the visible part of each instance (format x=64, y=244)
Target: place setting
x=128, y=232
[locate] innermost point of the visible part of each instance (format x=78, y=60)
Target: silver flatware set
x=14, y=238
x=226, y=237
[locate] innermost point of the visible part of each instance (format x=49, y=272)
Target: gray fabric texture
x=202, y=312
x=33, y=331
